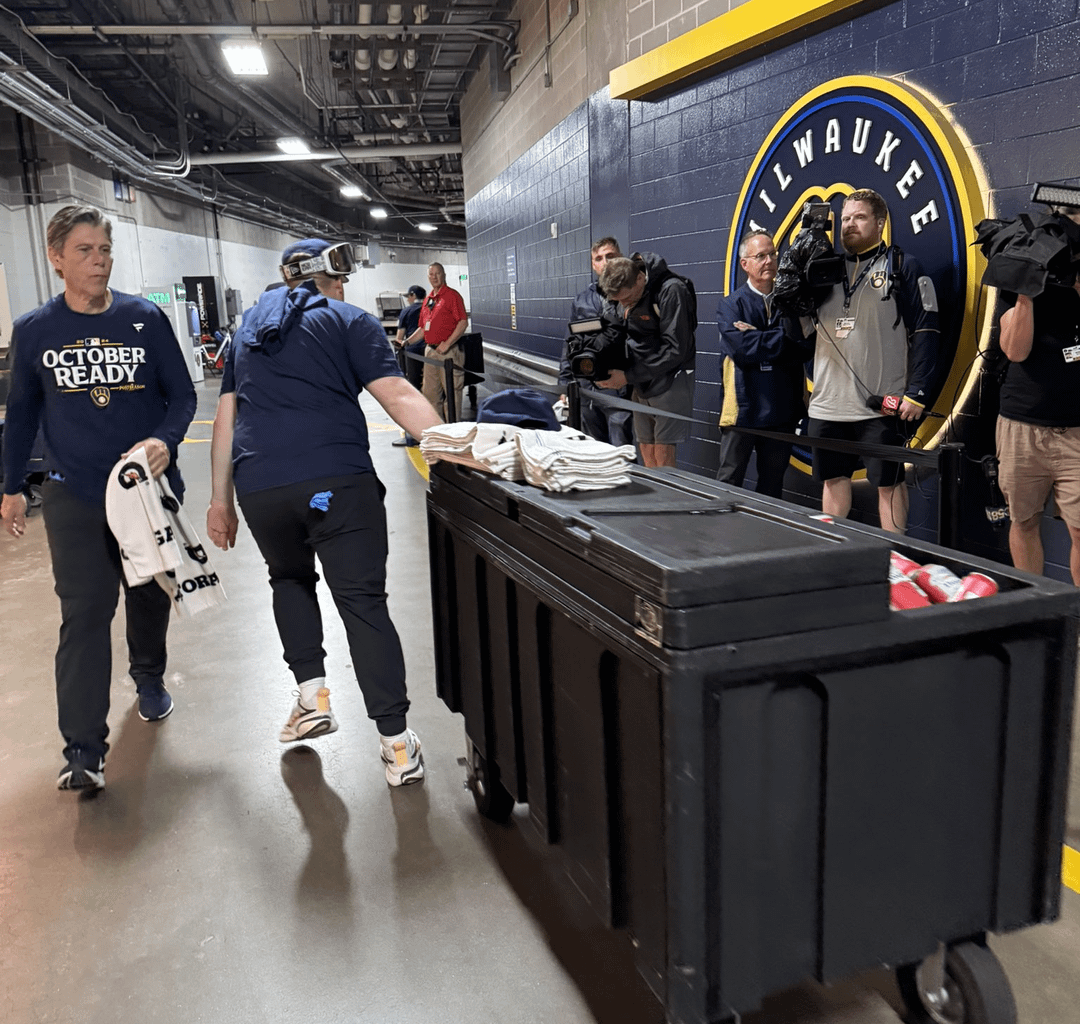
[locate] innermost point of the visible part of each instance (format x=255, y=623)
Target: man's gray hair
x=65, y=220
x=619, y=273
x=745, y=241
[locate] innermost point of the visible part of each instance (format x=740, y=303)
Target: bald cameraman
x=1038, y=428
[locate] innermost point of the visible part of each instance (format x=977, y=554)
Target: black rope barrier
x=946, y=459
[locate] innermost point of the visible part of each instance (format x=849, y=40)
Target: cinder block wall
x=1005, y=70
x=551, y=78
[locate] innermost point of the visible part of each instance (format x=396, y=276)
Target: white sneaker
x=401, y=755
x=307, y=723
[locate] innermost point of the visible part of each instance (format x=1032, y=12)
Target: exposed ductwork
x=374, y=91
x=500, y=34
x=361, y=154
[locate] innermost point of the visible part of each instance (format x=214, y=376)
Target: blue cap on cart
x=523, y=407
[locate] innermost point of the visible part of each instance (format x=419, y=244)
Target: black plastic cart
x=738, y=754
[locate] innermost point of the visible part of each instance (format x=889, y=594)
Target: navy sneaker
x=84, y=770
x=154, y=702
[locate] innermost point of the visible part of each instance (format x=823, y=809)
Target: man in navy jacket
x=604, y=422
x=102, y=374
x=763, y=379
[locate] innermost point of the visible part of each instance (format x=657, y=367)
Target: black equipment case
x=737, y=752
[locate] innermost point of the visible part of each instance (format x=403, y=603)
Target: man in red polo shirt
x=442, y=323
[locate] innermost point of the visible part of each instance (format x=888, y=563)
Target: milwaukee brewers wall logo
x=864, y=132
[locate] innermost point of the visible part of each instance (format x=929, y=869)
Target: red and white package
x=903, y=565
x=903, y=593
x=975, y=584
x=939, y=584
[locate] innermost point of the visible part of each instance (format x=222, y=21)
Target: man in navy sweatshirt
x=763, y=378
x=102, y=374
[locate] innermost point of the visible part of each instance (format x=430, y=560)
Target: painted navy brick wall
x=1005, y=70
x=550, y=183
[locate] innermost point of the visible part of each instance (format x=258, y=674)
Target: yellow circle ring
x=971, y=185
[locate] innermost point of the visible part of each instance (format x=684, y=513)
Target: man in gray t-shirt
x=877, y=335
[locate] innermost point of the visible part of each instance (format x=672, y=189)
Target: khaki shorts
x=679, y=398
x=1035, y=461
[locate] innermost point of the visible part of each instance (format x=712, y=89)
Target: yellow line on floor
x=418, y=461
x=1070, y=868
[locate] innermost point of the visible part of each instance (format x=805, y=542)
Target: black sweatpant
x=349, y=536
x=88, y=576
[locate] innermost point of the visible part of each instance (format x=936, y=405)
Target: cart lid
x=682, y=541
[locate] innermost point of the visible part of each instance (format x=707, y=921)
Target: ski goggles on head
x=338, y=261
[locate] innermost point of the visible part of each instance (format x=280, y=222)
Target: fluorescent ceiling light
x=353, y=192
x=294, y=147
x=426, y=227
x=379, y=213
x=245, y=58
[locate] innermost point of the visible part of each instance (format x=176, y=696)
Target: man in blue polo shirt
x=408, y=322
x=291, y=441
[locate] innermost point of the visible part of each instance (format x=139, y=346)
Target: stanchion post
x=573, y=405
x=950, y=473
x=451, y=394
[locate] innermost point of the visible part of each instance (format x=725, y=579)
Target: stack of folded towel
x=556, y=460
x=489, y=447
x=568, y=460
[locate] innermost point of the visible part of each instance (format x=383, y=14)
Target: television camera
x=596, y=348
x=810, y=266
x=1030, y=253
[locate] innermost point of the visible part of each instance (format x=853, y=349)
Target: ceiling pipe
x=501, y=33
x=362, y=58
x=18, y=34
x=40, y=102
x=388, y=56
x=415, y=151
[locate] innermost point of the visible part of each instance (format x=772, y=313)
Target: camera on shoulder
x=1031, y=253
x=810, y=266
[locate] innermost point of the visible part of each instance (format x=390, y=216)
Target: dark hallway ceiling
x=373, y=89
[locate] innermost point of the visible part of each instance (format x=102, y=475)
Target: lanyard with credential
x=850, y=290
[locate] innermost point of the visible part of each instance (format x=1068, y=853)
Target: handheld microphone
x=888, y=404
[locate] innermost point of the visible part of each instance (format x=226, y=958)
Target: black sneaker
x=404, y=442
x=84, y=770
x=154, y=702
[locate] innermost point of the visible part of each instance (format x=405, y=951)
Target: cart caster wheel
x=493, y=799
x=976, y=990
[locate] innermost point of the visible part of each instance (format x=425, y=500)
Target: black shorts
x=879, y=430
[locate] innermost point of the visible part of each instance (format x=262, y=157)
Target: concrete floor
x=224, y=878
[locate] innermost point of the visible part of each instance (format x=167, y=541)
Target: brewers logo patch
x=100, y=397
x=877, y=279
x=865, y=132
